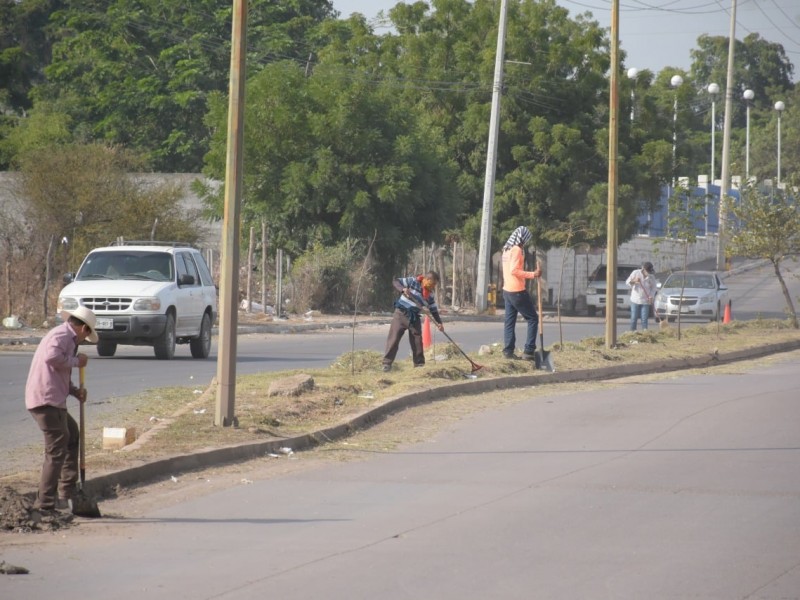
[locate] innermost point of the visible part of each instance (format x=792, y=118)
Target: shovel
x=82, y=505
x=544, y=360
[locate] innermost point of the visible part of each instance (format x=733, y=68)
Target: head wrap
x=521, y=235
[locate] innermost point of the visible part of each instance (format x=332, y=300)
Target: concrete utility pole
x=229, y=273
x=485, y=246
x=726, y=145
x=613, y=147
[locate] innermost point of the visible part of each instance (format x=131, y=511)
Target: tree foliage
x=139, y=72
x=84, y=196
x=767, y=227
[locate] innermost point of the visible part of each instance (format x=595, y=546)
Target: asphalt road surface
x=656, y=488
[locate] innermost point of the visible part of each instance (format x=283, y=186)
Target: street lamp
x=675, y=82
x=633, y=73
x=779, y=106
x=748, y=97
x=713, y=89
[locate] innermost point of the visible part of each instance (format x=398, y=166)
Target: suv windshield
x=155, y=266
x=623, y=272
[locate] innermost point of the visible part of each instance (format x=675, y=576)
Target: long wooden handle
x=81, y=435
x=539, y=297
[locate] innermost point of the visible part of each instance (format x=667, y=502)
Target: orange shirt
x=514, y=273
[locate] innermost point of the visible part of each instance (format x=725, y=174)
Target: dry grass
x=184, y=419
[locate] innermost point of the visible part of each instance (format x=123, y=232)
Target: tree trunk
x=453, y=299
x=47, y=269
x=264, y=266
x=786, y=295
x=250, y=249
x=9, y=305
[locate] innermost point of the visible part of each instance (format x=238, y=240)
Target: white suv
x=146, y=294
x=596, y=289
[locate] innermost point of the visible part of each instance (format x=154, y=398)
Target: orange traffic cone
x=426, y=333
x=727, y=318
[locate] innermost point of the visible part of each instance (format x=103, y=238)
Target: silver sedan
x=692, y=294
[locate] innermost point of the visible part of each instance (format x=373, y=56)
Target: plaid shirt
x=415, y=289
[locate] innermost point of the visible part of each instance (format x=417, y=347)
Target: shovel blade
x=84, y=506
x=544, y=361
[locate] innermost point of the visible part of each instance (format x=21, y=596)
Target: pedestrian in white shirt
x=643, y=289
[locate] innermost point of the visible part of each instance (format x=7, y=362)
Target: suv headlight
x=66, y=303
x=590, y=291
x=148, y=304
x=707, y=299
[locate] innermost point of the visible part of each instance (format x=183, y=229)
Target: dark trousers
x=519, y=303
x=60, y=467
x=401, y=323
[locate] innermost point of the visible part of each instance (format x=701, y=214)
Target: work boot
x=64, y=504
x=530, y=355
x=387, y=368
x=510, y=356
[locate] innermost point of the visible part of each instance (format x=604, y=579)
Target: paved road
x=687, y=487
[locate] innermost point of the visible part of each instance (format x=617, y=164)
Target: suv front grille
x=107, y=304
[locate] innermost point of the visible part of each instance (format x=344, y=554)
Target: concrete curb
x=148, y=472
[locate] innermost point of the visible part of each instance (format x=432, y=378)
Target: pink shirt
x=514, y=274
x=49, y=377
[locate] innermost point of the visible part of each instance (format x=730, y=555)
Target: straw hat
x=87, y=317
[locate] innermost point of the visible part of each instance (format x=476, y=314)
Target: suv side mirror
x=186, y=279
x=68, y=277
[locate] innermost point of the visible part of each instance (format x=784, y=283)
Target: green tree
x=139, y=72
x=767, y=227
x=759, y=65
x=85, y=193
x=336, y=157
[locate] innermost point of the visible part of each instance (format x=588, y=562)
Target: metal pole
x=747, y=148
x=713, y=89
x=779, y=106
x=713, y=139
x=485, y=246
x=748, y=97
x=726, y=142
x=613, y=147
x=229, y=269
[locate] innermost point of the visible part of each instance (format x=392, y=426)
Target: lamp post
x=633, y=73
x=779, y=106
x=713, y=89
x=748, y=97
x=675, y=82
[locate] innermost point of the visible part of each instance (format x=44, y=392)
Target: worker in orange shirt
x=516, y=297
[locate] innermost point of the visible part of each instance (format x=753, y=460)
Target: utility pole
x=726, y=145
x=229, y=269
x=485, y=246
x=613, y=147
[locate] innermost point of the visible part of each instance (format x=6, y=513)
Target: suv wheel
x=164, y=345
x=201, y=345
x=591, y=310
x=106, y=348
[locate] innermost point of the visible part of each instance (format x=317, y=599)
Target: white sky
x=656, y=38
